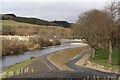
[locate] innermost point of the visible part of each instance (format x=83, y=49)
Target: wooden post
x=32, y=69
x=93, y=53
x=26, y=69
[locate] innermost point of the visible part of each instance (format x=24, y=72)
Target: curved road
x=87, y=71
x=79, y=71
x=51, y=71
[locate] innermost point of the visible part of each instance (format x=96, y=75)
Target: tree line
x=37, y=21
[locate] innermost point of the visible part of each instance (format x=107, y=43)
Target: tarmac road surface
x=44, y=69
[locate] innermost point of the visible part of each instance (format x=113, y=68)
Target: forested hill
x=37, y=21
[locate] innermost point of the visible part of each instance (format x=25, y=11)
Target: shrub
x=37, y=41
x=10, y=47
x=13, y=47
x=32, y=57
x=47, y=42
x=56, y=42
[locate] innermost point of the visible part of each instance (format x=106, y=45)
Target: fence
x=16, y=72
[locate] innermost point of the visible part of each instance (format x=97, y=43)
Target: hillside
x=37, y=21
x=14, y=23
x=10, y=27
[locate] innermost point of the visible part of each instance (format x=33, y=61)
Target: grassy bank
x=19, y=65
x=60, y=58
x=16, y=69
x=101, y=57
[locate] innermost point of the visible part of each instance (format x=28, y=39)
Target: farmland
x=10, y=27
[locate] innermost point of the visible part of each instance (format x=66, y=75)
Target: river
x=13, y=59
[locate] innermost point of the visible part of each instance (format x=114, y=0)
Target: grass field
x=101, y=57
x=60, y=58
x=10, y=27
x=14, y=23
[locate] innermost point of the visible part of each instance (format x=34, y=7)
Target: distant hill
x=37, y=21
x=62, y=23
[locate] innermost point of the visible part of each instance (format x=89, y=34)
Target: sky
x=65, y=10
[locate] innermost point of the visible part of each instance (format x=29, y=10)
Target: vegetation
x=11, y=47
x=19, y=66
x=100, y=29
x=14, y=47
x=10, y=27
x=35, y=21
x=15, y=68
x=44, y=34
x=63, y=23
x=101, y=57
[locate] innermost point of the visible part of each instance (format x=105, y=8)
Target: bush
x=56, y=42
x=37, y=41
x=42, y=42
x=13, y=47
x=10, y=47
x=47, y=42
x=32, y=57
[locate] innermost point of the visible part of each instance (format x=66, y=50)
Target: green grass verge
x=101, y=57
x=16, y=67
x=19, y=66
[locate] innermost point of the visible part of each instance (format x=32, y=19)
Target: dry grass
x=60, y=58
x=14, y=47
x=11, y=47
x=10, y=27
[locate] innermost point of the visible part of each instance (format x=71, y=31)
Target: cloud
x=50, y=10
x=54, y=0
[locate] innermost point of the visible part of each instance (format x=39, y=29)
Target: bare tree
x=113, y=13
x=88, y=27
x=98, y=29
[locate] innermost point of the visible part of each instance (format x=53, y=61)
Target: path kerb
x=83, y=60
x=85, y=63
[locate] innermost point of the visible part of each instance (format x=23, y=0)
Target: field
x=14, y=23
x=10, y=27
x=101, y=57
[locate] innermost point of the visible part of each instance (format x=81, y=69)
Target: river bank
x=13, y=59
x=16, y=69
x=33, y=62
x=42, y=68
x=13, y=47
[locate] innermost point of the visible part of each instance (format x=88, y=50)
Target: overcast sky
x=67, y=10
